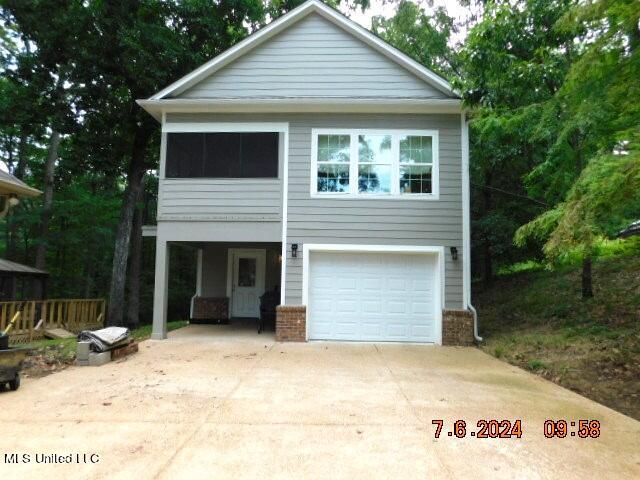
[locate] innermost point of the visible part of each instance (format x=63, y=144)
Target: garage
x=374, y=296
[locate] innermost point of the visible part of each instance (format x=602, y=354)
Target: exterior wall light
x=454, y=253
x=294, y=250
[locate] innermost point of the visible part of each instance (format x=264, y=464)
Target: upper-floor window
x=222, y=155
x=334, y=156
x=375, y=163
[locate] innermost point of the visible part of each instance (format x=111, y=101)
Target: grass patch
x=538, y=321
x=49, y=355
x=521, y=267
x=69, y=344
x=65, y=348
x=144, y=332
x=535, y=365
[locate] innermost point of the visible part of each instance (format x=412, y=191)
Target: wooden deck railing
x=38, y=315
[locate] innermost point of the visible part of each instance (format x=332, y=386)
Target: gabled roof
x=295, y=15
x=7, y=266
x=10, y=185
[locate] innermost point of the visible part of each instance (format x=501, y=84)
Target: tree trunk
x=587, y=286
x=52, y=157
x=21, y=165
x=19, y=171
x=133, y=303
x=90, y=262
x=488, y=257
x=123, y=233
x=487, y=271
x=89, y=272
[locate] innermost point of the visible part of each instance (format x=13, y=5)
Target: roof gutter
x=301, y=105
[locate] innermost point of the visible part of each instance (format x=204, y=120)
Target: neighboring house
x=11, y=190
x=314, y=158
x=16, y=280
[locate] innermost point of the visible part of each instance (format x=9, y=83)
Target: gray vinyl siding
x=220, y=199
x=373, y=221
x=312, y=58
x=366, y=221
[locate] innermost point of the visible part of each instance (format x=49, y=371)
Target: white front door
x=247, y=268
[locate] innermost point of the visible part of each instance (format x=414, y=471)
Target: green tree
x=512, y=62
x=47, y=66
x=593, y=166
x=134, y=49
x=71, y=72
x=425, y=37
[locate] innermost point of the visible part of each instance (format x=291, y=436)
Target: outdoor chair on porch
x=268, y=303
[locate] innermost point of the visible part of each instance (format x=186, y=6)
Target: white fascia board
x=289, y=19
x=301, y=105
x=235, y=127
x=149, y=230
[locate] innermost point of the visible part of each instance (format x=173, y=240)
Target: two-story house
x=316, y=159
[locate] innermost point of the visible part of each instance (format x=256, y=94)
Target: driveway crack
x=412, y=407
x=205, y=420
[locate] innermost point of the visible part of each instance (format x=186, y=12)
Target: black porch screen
x=222, y=155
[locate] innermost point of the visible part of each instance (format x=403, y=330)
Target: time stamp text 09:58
x=582, y=428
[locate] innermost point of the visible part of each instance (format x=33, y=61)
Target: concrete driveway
x=218, y=402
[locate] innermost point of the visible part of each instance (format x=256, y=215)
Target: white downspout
x=466, y=226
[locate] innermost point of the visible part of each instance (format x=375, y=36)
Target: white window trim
x=395, y=164
x=439, y=251
x=230, y=127
x=225, y=127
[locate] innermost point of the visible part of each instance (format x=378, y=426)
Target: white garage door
x=372, y=296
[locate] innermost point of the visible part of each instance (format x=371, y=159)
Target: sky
x=387, y=9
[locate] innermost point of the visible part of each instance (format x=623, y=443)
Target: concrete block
x=98, y=359
x=82, y=351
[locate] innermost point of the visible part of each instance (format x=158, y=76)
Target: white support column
x=198, y=281
x=161, y=290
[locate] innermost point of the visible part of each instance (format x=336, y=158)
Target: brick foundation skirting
x=291, y=323
x=457, y=328
x=211, y=308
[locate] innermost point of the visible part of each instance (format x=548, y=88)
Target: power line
x=505, y=192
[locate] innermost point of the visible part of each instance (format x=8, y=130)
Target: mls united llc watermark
x=51, y=458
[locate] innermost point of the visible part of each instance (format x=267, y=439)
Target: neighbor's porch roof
x=14, y=268
x=10, y=185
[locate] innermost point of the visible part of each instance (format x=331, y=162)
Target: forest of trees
x=552, y=89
